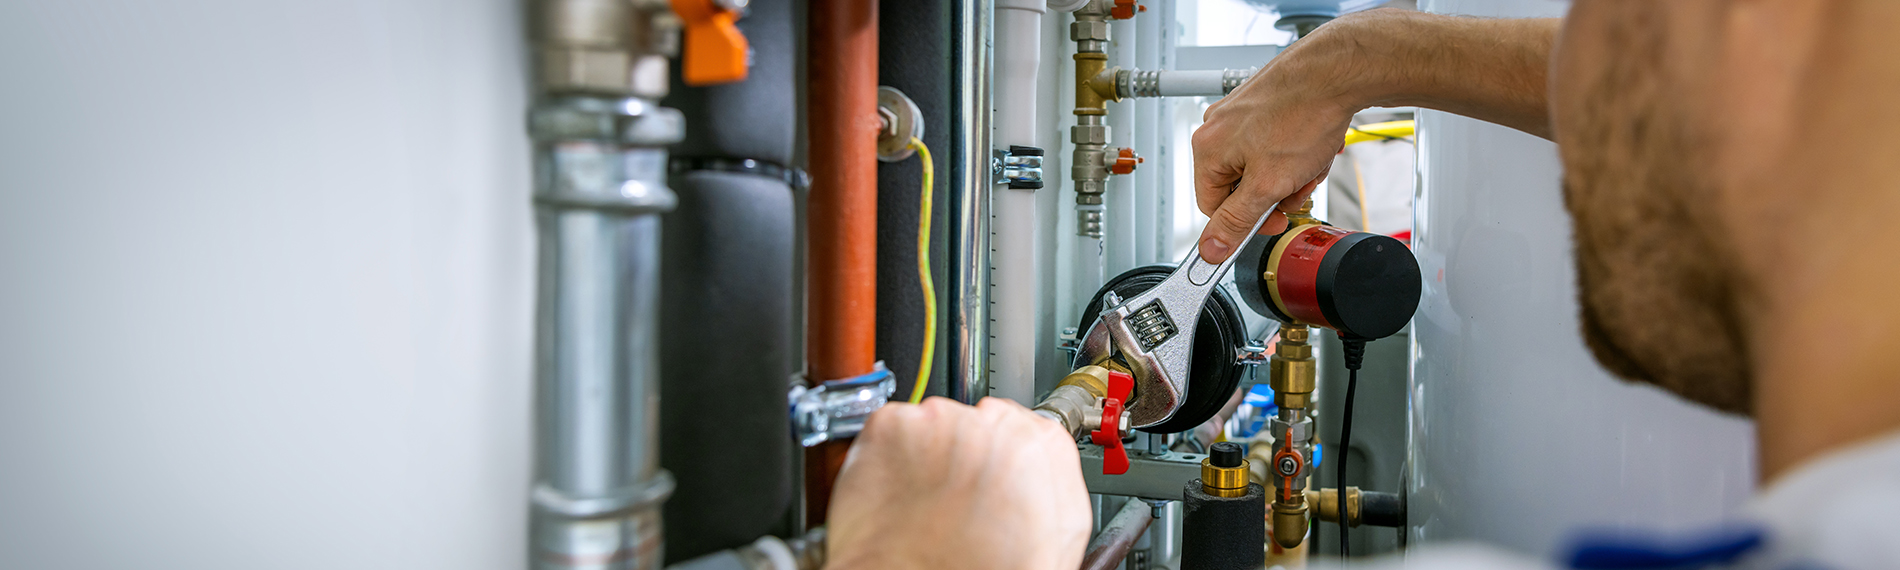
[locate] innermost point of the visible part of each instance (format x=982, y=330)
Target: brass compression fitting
x=1224, y=472
x=1293, y=378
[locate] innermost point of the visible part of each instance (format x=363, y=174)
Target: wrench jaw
x=1160, y=372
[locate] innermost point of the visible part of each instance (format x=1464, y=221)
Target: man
x=1735, y=195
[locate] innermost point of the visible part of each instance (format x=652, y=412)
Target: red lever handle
x=1114, y=456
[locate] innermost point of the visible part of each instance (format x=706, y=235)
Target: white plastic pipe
x=1146, y=142
x=1204, y=83
x=1014, y=277
x=1118, y=222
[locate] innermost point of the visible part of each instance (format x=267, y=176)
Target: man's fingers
x=1215, y=170
x=1236, y=216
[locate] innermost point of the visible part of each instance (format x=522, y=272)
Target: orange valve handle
x=715, y=51
x=1125, y=161
x=1125, y=9
x=1114, y=456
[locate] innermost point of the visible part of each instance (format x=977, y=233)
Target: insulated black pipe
x=914, y=58
x=1223, y=533
x=726, y=326
x=1381, y=509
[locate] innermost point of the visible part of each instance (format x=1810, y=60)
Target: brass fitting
x=1293, y=376
x=1103, y=84
x=1289, y=523
x=1328, y=503
x=1226, y=482
x=1088, y=101
x=1091, y=378
x=1293, y=373
x=1302, y=216
x=1072, y=403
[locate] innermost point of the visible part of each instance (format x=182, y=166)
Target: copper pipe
x=841, y=319
x=1111, y=545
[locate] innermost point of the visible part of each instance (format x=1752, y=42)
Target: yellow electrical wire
x=1380, y=131
x=923, y=275
x=1389, y=130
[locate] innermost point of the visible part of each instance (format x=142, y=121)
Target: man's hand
x=945, y=485
x=1264, y=147
x=1270, y=142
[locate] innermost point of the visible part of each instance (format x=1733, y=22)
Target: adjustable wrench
x=1153, y=333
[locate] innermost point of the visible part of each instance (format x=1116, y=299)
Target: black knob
x=1226, y=454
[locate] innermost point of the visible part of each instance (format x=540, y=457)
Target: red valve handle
x=1114, y=456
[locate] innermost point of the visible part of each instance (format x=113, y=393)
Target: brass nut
x=1092, y=379
x=1291, y=400
x=1292, y=375
x=1226, y=482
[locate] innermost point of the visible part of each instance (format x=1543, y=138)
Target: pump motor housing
x=1361, y=284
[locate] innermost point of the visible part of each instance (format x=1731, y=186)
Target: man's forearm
x=1489, y=69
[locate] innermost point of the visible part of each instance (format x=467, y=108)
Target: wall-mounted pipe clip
x=1020, y=167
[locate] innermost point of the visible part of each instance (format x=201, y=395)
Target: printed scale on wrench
x=1153, y=333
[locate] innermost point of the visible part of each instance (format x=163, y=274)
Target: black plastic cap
x=1015, y=185
x=1226, y=454
x=1020, y=150
x=1369, y=286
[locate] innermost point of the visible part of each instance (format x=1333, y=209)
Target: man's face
x=1655, y=275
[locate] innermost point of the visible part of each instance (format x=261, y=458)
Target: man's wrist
x=1352, y=63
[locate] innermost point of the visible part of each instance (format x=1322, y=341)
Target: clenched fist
x=945, y=485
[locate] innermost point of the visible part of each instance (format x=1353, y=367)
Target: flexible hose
x=923, y=275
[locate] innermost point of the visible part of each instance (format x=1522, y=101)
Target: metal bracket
x=1020, y=167
x=1251, y=355
x=837, y=409
x=1068, y=342
x=1161, y=477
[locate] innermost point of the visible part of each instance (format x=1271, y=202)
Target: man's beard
x=1656, y=278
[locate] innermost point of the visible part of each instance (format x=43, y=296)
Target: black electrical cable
x=1355, y=352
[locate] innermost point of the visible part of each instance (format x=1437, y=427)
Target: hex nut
x=1083, y=31
x=1088, y=134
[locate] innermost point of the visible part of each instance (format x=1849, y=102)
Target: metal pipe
x=970, y=203
x=841, y=334
x=1111, y=545
x=842, y=82
x=600, y=185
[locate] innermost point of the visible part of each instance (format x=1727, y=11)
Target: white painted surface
x=1519, y=438
x=265, y=284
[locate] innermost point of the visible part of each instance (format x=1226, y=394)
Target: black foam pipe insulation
x=727, y=301
x=915, y=56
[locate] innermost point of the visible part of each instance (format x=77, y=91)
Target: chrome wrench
x=1153, y=332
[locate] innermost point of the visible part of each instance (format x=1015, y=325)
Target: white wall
x=265, y=284
x=1519, y=437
